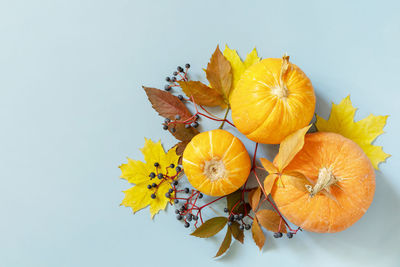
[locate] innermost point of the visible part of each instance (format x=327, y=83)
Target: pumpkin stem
x=324, y=181
x=281, y=90
x=214, y=169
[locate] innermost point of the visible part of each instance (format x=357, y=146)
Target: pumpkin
x=216, y=162
x=341, y=188
x=273, y=98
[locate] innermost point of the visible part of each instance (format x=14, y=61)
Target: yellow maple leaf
x=363, y=132
x=138, y=173
x=238, y=66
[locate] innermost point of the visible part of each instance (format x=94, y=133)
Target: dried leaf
x=269, y=182
x=180, y=147
x=363, y=132
x=211, y=227
x=268, y=165
x=289, y=147
x=270, y=220
x=296, y=179
x=226, y=243
x=168, y=106
x=232, y=199
x=254, y=198
x=202, y=94
x=257, y=233
x=236, y=232
x=219, y=74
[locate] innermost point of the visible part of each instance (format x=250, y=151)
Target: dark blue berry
x=165, y=127
x=168, y=79
x=241, y=216
x=194, y=124
x=176, y=201
x=156, y=164
x=235, y=217
x=167, y=87
x=152, y=175
x=178, y=169
x=180, y=69
x=200, y=195
x=247, y=226
x=160, y=176
x=149, y=186
x=187, y=65
x=229, y=223
x=241, y=227
x=278, y=235
x=187, y=225
x=154, y=185
x=167, y=195
x=167, y=120
x=170, y=190
x=174, y=73
x=153, y=196
x=195, y=217
x=197, y=116
x=179, y=217
x=226, y=210
x=180, y=97
x=289, y=235
x=173, y=79
x=172, y=166
x=175, y=183
x=186, y=190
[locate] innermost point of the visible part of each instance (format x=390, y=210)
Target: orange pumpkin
x=273, y=98
x=341, y=189
x=216, y=162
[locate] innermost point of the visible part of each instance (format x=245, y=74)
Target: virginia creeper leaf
x=202, y=94
x=271, y=221
x=257, y=233
x=296, y=179
x=168, y=106
x=236, y=232
x=219, y=74
x=210, y=227
x=268, y=165
x=226, y=243
x=232, y=199
x=269, y=182
x=289, y=147
x=363, y=132
x=254, y=198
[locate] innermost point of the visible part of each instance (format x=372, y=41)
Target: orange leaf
x=289, y=147
x=296, y=179
x=270, y=220
x=202, y=94
x=269, y=182
x=268, y=165
x=219, y=74
x=254, y=198
x=226, y=243
x=257, y=233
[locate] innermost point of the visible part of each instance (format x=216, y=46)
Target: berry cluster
x=237, y=218
x=164, y=177
x=190, y=122
x=279, y=234
x=183, y=76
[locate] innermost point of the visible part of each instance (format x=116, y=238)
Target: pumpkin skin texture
x=267, y=107
x=216, y=162
x=349, y=197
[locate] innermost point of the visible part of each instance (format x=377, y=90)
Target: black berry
x=180, y=69
x=278, y=235
x=178, y=169
x=170, y=190
x=187, y=65
x=195, y=217
x=156, y=164
x=168, y=79
x=167, y=87
x=152, y=175
x=154, y=185
x=175, y=182
x=179, y=217
x=194, y=124
x=165, y=127
x=173, y=79
x=197, y=116
x=176, y=201
x=153, y=196
x=160, y=176
x=226, y=210
x=187, y=225
x=241, y=227
x=174, y=73
x=289, y=235
x=247, y=227
x=149, y=186
x=167, y=195
x=167, y=120
x=186, y=190
x=180, y=97
x=200, y=195
x=172, y=166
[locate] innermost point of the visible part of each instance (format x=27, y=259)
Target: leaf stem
x=226, y=115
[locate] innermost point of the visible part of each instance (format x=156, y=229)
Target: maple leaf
x=238, y=66
x=137, y=172
x=363, y=132
x=168, y=106
x=219, y=74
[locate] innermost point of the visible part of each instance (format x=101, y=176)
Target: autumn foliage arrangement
x=321, y=180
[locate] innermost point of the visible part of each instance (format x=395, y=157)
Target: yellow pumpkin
x=216, y=162
x=273, y=99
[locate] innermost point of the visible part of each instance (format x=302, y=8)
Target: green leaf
x=236, y=232
x=226, y=243
x=211, y=227
x=232, y=199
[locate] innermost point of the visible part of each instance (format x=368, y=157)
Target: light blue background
x=72, y=109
